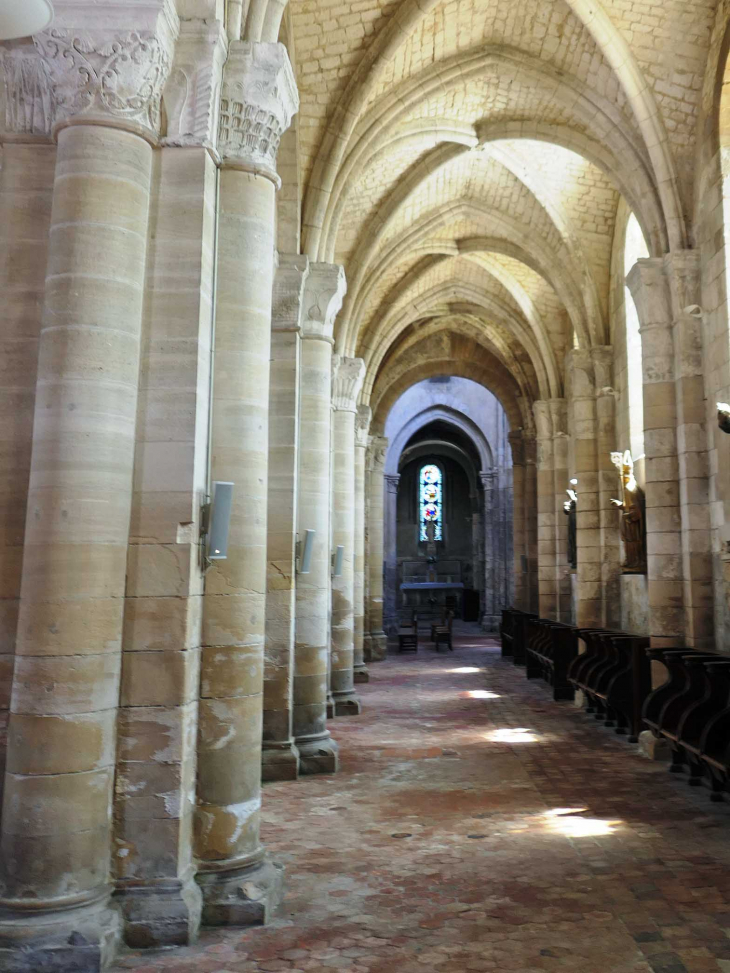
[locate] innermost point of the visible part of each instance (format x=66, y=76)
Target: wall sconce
x=215, y=523
x=305, y=550
x=337, y=559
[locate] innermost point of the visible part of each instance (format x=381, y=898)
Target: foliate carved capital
x=648, y=285
x=258, y=98
x=111, y=73
x=289, y=281
x=348, y=374
x=324, y=292
x=377, y=450
x=192, y=91
x=391, y=483
x=559, y=416
x=362, y=425
x=27, y=90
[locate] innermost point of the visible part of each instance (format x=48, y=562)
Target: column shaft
x=362, y=424
x=324, y=290
x=518, y=521
x=158, y=713
x=56, y=823
x=376, y=642
x=280, y=757
x=343, y=615
x=546, y=513
x=26, y=195
x=231, y=677
x=391, y=600
x=663, y=517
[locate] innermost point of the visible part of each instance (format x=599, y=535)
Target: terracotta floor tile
x=537, y=841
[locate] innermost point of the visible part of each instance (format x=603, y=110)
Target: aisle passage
x=476, y=825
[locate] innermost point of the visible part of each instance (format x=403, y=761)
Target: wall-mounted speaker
x=338, y=558
x=307, y=549
x=220, y=520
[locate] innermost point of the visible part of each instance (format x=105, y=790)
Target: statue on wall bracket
x=633, y=515
x=570, y=506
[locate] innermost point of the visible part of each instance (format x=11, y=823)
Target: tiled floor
x=476, y=825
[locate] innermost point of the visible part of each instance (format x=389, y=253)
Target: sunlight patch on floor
x=511, y=735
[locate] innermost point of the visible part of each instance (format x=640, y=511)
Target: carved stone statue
x=570, y=507
x=633, y=515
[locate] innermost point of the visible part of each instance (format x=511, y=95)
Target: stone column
x=561, y=478
x=157, y=723
x=26, y=196
x=648, y=286
x=546, y=513
x=323, y=294
x=682, y=269
x=518, y=520
x=531, y=519
x=56, y=844
x=362, y=425
x=375, y=641
x=280, y=757
x=491, y=615
x=607, y=514
x=348, y=376
x=391, y=594
x=239, y=885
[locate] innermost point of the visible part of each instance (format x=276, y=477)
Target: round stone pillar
x=347, y=379
x=362, y=425
x=375, y=641
x=239, y=885
x=56, y=843
x=323, y=293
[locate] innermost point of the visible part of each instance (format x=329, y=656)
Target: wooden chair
x=442, y=633
x=408, y=634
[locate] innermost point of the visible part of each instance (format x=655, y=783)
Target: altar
x=432, y=596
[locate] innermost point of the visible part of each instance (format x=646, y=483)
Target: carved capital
x=377, y=450
x=559, y=416
x=324, y=292
x=289, y=281
x=391, y=483
x=517, y=446
x=258, y=98
x=348, y=374
x=27, y=90
x=109, y=73
x=648, y=285
x=543, y=420
x=602, y=366
x=362, y=425
x=192, y=93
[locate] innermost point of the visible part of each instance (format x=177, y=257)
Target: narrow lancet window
x=430, y=501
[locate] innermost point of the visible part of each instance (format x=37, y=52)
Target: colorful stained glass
x=430, y=501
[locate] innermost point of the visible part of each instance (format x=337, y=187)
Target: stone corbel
x=348, y=375
x=362, y=425
x=258, y=99
x=324, y=292
x=192, y=93
x=108, y=65
x=288, y=297
x=377, y=450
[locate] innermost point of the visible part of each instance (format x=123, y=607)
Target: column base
x=360, y=674
x=156, y=916
x=279, y=761
x=375, y=646
x=318, y=755
x=347, y=703
x=490, y=624
x=654, y=748
x=330, y=706
x=81, y=940
x=245, y=896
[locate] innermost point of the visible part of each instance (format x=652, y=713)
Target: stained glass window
x=430, y=501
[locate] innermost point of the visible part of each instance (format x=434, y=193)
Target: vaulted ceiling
x=465, y=160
